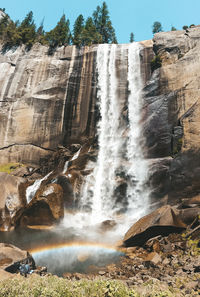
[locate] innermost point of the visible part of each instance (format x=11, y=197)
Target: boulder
x=153, y=258
x=12, y=199
x=11, y=257
x=45, y=208
x=163, y=221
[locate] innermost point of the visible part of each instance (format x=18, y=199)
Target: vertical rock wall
x=45, y=100
x=172, y=125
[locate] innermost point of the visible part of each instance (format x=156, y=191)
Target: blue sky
x=127, y=16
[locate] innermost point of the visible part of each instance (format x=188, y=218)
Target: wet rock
x=171, y=124
x=107, y=225
x=67, y=188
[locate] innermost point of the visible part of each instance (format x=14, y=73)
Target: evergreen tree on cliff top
x=27, y=30
x=103, y=24
x=78, y=30
x=41, y=34
x=131, y=37
x=12, y=36
x=157, y=27
x=60, y=35
x=90, y=35
x=4, y=21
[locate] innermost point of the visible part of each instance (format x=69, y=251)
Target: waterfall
x=120, y=148
x=137, y=170
x=31, y=190
x=108, y=127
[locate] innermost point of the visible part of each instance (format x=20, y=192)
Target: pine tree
x=90, y=34
x=173, y=28
x=12, y=35
x=3, y=24
x=41, y=34
x=60, y=35
x=78, y=30
x=157, y=27
x=27, y=30
x=103, y=24
x=131, y=37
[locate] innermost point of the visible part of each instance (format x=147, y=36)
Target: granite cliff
x=45, y=100
x=172, y=114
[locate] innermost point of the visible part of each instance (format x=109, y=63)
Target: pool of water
x=82, y=258
x=64, y=250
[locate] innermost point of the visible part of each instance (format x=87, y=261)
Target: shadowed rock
x=162, y=221
x=45, y=209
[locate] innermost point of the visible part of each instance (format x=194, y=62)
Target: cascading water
x=120, y=149
x=108, y=131
x=31, y=190
x=137, y=170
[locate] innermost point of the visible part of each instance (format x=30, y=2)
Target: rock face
x=12, y=199
x=172, y=114
x=50, y=100
x=45, y=100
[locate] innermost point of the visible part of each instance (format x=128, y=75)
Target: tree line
x=157, y=27
x=95, y=29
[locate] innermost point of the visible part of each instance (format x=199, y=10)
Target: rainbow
x=73, y=244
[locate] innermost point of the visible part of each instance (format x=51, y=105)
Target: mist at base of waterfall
x=76, y=258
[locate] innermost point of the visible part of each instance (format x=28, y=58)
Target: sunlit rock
x=45, y=209
x=12, y=199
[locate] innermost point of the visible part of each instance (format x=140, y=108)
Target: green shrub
x=53, y=286
x=9, y=167
x=156, y=63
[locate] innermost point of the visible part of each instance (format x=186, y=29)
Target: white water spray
x=137, y=170
x=31, y=190
x=65, y=167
